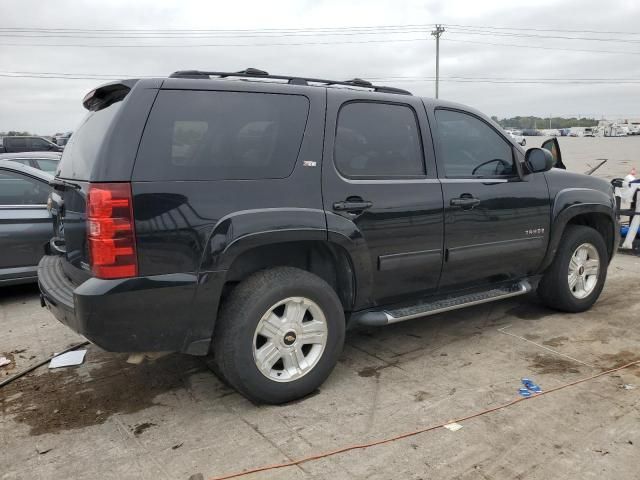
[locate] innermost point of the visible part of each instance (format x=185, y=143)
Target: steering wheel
x=499, y=161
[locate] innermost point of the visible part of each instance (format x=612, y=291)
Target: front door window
x=469, y=148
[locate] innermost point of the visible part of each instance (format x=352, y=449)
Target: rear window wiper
x=58, y=183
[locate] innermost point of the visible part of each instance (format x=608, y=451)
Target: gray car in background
x=46, y=161
x=25, y=222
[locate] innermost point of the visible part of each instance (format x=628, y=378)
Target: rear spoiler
x=107, y=94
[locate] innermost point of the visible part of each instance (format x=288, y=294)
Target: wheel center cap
x=581, y=270
x=290, y=338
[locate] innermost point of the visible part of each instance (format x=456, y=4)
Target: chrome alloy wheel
x=290, y=339
x=584, y=270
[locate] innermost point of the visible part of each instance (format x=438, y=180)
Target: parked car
x=25, y=223
x=519, y=139
x=46, y=161
x=61, y=139
x=27, y=144
x=254, y=220
x=531, y=132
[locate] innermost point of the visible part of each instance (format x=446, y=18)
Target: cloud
x=51, y=105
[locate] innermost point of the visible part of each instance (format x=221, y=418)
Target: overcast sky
x=469, y=52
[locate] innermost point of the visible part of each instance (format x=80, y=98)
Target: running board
x=387, y=316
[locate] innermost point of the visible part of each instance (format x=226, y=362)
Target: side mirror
x=538, y=160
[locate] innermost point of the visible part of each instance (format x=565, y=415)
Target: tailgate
x=68, y=209
x=102, y=149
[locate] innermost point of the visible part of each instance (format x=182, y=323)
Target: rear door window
x=205, y=135
x=18, y=189
x=378, y=140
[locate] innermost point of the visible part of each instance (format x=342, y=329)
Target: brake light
x=110, y=231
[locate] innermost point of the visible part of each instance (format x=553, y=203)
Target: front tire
x=279, y=335
x=576, y=277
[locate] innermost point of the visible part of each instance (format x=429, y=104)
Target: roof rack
x=256, y=73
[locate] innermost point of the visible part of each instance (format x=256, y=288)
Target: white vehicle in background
x=517, y=137
x=616, y=130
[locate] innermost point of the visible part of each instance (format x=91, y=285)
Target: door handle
x=465, y=201
x=352, y=205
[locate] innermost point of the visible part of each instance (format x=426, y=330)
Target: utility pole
x=437, y=33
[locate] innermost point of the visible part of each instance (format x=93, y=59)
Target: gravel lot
x=172, y=418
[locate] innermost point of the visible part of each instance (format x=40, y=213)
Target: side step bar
x=387, y=316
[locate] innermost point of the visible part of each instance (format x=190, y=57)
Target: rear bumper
x=142, y=314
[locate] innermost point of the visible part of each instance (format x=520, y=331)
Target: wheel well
x=600, y=222
x=328, y=261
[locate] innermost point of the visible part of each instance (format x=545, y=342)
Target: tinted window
x=17, y=189
x=468, y=147
x=378, y=140
x=202, y=135
x=17, y=143
x=82, y=150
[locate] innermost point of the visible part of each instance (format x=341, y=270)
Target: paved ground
x=579, y=153
x=172, y=418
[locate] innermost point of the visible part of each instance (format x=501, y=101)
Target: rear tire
x=576, y=277
x=279, y=335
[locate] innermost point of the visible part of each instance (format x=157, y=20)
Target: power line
x=195, y=45
x=531, y=35
x=604, y=32
x=187, y=35
x=540, y=47
x=250, y=30
x=370, y=77
x=304, y=29
x=296, y=34
x=452, y=78
x=297, y=44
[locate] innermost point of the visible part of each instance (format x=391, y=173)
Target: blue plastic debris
x=531, y=386
x=524, y=392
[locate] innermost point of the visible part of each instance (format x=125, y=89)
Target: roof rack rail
x=257, y=73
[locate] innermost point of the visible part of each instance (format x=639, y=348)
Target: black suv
x=255, y=217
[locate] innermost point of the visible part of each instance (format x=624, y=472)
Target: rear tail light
x=110, y=231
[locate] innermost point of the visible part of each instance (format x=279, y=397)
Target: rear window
x=47, y=165
x=82, y=150
x=204, y=135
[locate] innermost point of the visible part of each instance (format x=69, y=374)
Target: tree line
x=15, y=133
x=540, y=122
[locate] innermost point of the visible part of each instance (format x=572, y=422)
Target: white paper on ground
x=4, y=361
x=454, y=427
x=75, y=357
